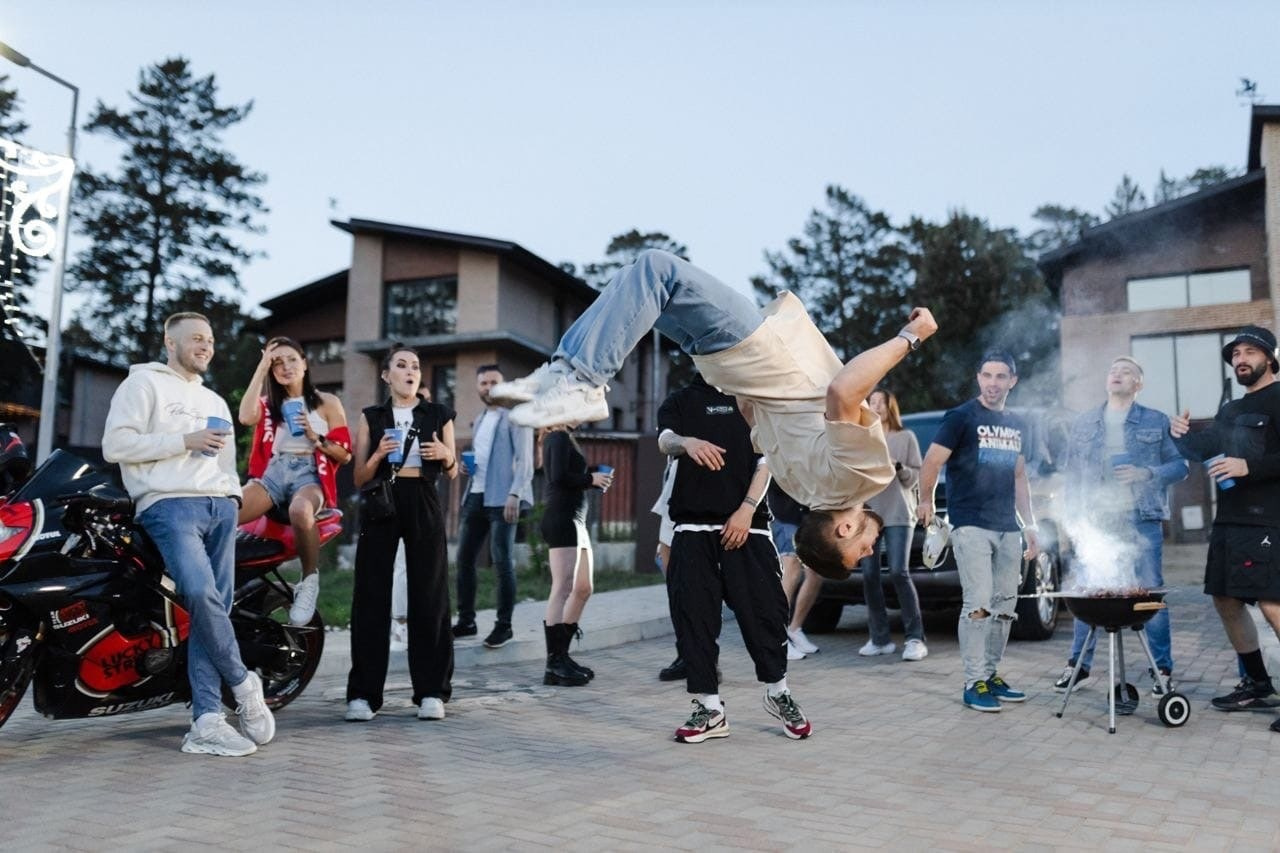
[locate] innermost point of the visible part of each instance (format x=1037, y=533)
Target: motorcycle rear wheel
x=285, y=656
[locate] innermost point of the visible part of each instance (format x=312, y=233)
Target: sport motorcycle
x=89, y=617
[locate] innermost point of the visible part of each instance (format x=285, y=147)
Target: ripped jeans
x=990, y=565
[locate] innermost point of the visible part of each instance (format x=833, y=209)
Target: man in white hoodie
x=181, y=474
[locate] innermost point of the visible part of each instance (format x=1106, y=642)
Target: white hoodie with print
x=150, y=413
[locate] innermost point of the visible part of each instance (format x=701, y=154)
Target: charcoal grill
x=1113, y=612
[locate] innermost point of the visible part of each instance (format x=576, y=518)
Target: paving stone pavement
x=895, y=762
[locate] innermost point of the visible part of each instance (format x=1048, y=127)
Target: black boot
x=677, y=671
x=558, y=669
x=571, y=631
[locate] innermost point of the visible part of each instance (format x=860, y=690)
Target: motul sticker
x=72, y=614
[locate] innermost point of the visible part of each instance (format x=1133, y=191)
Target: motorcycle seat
x=250, y=547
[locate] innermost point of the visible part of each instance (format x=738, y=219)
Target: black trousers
x=419, y=521
x=702, y=576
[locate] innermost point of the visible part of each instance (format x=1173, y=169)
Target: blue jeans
x=896, y=540
x=1150, y=571
x=990, y=567
x=197, y=539
x=659, y=291
x=477, y=521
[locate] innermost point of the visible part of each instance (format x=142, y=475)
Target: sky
x=559, y=124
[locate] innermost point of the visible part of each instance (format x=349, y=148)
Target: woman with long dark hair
x=293, y=464
x=427, y=451
x=564, y=529
x=897, y=506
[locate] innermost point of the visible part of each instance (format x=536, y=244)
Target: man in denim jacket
x=1119, y=465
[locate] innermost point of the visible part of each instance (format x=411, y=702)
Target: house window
x=420, y=307
x=1185, y=372
x=1218, y=287
x=323, y=352
x=443, y=384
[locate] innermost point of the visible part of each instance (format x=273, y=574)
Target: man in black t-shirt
x=721, y=553
x=1241, y=452
x=988, y=500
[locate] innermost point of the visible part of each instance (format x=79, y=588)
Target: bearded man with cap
x=1243, y=445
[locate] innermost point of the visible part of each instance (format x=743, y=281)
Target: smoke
x=1105, y=559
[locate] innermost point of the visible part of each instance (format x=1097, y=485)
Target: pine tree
x=163, y=227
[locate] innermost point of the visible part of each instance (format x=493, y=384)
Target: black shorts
x=1244, y=563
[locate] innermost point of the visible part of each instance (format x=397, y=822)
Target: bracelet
x=450, y=466
x=750, y=500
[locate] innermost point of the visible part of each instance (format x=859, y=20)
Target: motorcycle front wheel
x=284, y=656
x=16, y=666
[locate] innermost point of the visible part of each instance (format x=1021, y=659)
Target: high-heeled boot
x=559, y=671
x=572, y=631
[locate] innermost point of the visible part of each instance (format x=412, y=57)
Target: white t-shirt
x=482, y=444
x=403, y=418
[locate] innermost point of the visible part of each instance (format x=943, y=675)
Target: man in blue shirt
x=988, y=500
x=1119, y=464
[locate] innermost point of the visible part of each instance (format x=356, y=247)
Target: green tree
x=849, y=267
x=1127, y=198
x=983, y=286
x=1058, y=226
x=166, y=223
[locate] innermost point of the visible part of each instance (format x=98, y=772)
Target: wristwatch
x=913, y=340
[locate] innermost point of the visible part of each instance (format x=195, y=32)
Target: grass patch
x=336, y=584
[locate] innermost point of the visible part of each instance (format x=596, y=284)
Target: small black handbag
x=377, y=503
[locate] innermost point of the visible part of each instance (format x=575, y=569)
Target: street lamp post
x=53, y=343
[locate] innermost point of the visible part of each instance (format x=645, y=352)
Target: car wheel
x=1038, y=617
x=823, y=617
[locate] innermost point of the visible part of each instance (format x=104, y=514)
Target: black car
x=939, y=587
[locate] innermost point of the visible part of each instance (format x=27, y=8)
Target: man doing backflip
x=807, y=411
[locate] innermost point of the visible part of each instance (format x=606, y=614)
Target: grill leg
x=1075, y=673
x=1111, y=671
x=1161, y=679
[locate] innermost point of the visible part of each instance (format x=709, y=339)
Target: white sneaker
x=801, y=642
x=793, y=653
x=431, y=709
x=399, y=636
x=524, y=389
x=358, y=711
x=305, y=593
x=871, y=649
x=915, y=650
x=212, y=735
x=569, y=400
x=256, y=719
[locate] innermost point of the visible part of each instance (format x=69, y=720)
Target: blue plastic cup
x=468, y=462
x=396, y=456
x=604, y=469
x=1226, y=482
x=289, y=410
x=219, y=424
x=1118, y=459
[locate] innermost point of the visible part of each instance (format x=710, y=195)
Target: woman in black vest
x=419, y=521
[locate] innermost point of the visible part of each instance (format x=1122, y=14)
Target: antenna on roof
x=1248, y=91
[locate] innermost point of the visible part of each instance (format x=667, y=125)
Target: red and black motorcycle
x=88, y=615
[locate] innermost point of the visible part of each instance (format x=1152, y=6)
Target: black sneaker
x=677, y=671
x=465, y=629
x=498, y=637
x=1064, y=680
x=1275, y=725
x=1249, y=695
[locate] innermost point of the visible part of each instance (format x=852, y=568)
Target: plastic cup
x=396, y=456
x=289, y=410
x=1226, y=482
x=218, y=424
x=1118, y=459
x=468, y=462
x=604, y=469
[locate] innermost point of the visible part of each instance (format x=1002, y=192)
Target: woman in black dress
x=564, y=529
x=419, y=521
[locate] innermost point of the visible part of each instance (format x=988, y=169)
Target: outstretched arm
x=857, y=379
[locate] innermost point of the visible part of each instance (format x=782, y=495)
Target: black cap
x=1256, y=336
x=1001, y=355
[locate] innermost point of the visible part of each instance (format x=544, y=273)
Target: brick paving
x=896, y=762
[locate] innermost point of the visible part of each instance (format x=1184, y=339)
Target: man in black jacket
x=1241, y=452
x=722, y=553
